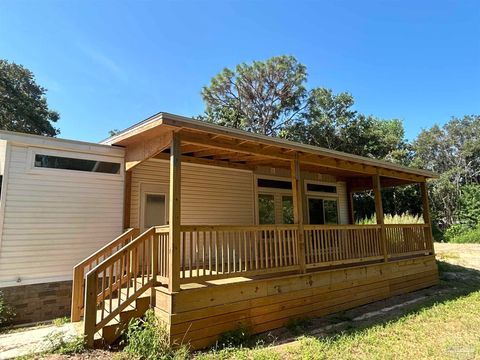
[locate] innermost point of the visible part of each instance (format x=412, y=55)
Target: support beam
x=145, y=149
x=351, y=209
x=174, y=214
x=377, y=190
x=127, y=199
x=426, y=215
x=298, y=196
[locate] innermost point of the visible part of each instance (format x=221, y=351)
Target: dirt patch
x=466, y=255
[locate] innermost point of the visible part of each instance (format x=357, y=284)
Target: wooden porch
x=230, y=255
x=303, y=265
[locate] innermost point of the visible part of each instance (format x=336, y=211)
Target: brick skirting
x=39, y=302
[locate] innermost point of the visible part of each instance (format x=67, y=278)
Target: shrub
x=468, y=211
x=470, y=236
x=405, y=218
x=61, y=343
x=7, y=312
x=148, y=339
x=454, y=231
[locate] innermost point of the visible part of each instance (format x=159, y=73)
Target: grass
x=393, y=219
x=446, y=325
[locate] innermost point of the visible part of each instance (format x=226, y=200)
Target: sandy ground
x=19, y=342
x=32, y=340
x=466, y=255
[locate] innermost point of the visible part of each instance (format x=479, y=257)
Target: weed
x=7, y=312
x=61, y=321
x=148, y=339
x=61, y=343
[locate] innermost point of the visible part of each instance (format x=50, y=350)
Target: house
x=213, y=227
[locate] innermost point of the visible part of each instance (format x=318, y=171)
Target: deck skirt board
x=200, y=314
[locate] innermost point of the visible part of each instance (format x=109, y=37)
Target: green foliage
x=23, y=106
x=453, y=151
x=468, y=212
x=233, y=338
x=148, y=339
x=61, y=321
x=60, y=343
x=471, y=236
x=330, y=122
x=260, y=97
x=7, y=312
x=405, y=218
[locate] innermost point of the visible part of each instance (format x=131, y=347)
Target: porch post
x=351, y=211
x=377, y=190
x=174, y=214
x=298, y=195
x=426, y=216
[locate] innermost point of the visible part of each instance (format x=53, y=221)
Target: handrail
x=88, y=263
x=118, y=280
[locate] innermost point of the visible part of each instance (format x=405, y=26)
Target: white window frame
x=32, y=169
x=277, y=194
x=322, y=196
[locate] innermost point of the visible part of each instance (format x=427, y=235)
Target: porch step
x=113, y=330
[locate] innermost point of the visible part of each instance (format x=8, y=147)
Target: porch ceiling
x=216, y=145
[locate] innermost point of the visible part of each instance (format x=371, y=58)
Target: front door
x=154, y=206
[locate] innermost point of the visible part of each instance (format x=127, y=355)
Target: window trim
x=320, y=193
x=146, y=188
x=32, y=169
x=331, y=198
x=276, y=192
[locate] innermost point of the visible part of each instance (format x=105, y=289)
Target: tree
x=261, y=97
x=329, y=121
x=453, y=152
x=23, y=106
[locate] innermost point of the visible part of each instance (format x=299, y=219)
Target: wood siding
x=215, y=195
x=54, y=218
x=199, y=315
x=210, y=195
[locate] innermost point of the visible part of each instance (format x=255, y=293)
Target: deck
x=235, y=261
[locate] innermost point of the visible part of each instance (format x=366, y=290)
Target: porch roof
x=218, y=145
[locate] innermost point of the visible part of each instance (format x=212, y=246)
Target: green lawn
x=446, y=325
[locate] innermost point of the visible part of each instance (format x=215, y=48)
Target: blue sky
x=109, y=64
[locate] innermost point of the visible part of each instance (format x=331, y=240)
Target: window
x=321, y=188
x=65, y=163
x=287, y=209
x=322, y=211
x=266, y=209
x=274, y=184
x=1, y=182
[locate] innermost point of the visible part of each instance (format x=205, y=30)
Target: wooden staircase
x=116, y=284
x=114, y=329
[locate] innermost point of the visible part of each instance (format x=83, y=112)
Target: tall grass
x=405, y=218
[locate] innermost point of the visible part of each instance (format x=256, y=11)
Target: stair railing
x=120, y=279
x=80, y=270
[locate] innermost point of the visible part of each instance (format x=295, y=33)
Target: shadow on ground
x=455, y=282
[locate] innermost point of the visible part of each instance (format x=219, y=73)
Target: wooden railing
x=121, y=278
x=216, y=252
x=79, y=271
x=408, y=239
x=209, y=252
x=329, y=245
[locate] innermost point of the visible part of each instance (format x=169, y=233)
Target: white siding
x=342, y=202
x=54, y=218
x=210, y=195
